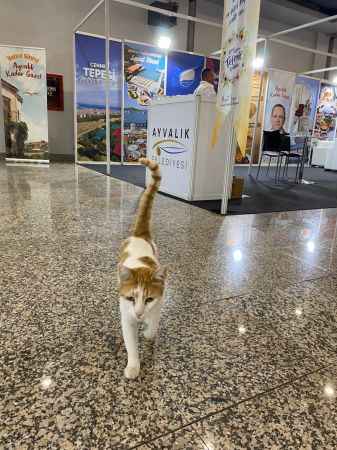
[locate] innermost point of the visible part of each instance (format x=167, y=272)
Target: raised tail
x=142, y=226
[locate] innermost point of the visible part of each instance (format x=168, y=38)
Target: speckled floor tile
x=61, y=351
x=184, y=439
x=305, y=313
x=300, y=416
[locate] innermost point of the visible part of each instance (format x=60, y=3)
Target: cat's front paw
x=149, y=334
x=132, y=372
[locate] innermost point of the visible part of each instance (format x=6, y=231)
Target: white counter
x=325, y=154
x=179, y=132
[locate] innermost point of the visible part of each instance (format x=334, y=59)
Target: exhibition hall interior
x=168, y=216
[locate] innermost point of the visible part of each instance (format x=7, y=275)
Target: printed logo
x=170, y=147
x=187, y=78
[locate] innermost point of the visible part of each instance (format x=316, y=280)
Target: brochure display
x=179, y=132
x=24, y=100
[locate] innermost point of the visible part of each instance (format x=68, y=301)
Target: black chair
x=297, y=152
x=272, y=147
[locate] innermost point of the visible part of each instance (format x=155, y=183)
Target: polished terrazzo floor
x=246, y=357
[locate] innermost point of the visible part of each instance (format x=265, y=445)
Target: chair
x=271, y=149
x=297, y=151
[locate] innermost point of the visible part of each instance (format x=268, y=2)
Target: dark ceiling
x=328, y=7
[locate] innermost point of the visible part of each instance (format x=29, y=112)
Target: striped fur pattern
x=141, y=278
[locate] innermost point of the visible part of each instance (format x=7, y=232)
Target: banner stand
x=107, y=84
x=258, y=110
x=23, y=90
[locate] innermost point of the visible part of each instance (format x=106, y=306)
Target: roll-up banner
x=238, y=48
x=144, y=79
x=326, y=114
x=90, y=98
x=278, y=101
x=24, y=99
x=303, y=107
x=183, y=73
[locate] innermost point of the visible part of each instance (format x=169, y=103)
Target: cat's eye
x=149, y=300
x=130, y=299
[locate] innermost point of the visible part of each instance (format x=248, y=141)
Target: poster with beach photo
x=24, y=98
x=90, y=98
x=144, y=78
x=183, y=73
x=278, y=100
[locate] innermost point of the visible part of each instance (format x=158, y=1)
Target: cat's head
x=141, y=288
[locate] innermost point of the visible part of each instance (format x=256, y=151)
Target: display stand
x=179, y=134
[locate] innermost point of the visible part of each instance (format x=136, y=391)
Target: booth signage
x=24, y=94
x=183, y=73
x=171, y=141
x=326, y=114
x=90, y=98
x=279, y=98
x=303, y=107
x=241, y=20
x=144, y=78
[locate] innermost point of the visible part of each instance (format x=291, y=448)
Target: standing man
x=206, y=86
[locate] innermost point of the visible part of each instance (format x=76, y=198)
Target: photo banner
x=183, y=73
x=303, y=107
x=24, y=99
x=144, y=78
x=90, y=98
x=278, y=101
x=240, y=27
x=325, y=126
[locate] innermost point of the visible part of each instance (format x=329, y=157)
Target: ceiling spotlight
x=258, y=63
x=164, y=42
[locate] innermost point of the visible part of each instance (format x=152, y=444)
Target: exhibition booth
x=133, y=99
x=138, y=73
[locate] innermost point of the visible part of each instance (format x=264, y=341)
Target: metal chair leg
x=258, y=170
x=278, y=168
x=268, y=166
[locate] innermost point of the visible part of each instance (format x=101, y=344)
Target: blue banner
x=183, y=73
x=90, y=98
x=144, y=74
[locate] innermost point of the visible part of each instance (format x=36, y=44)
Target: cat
x=141, y=278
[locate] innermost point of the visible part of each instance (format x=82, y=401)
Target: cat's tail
x=142, y=226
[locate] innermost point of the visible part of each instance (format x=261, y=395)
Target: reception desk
x=179, y=133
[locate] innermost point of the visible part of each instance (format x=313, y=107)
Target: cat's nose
x=139, y=315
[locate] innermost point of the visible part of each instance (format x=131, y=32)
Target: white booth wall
x=50, y=23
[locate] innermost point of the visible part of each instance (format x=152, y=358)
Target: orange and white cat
x=141, y=278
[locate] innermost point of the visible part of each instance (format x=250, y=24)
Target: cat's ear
x=124, y=273
x=161, y=274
